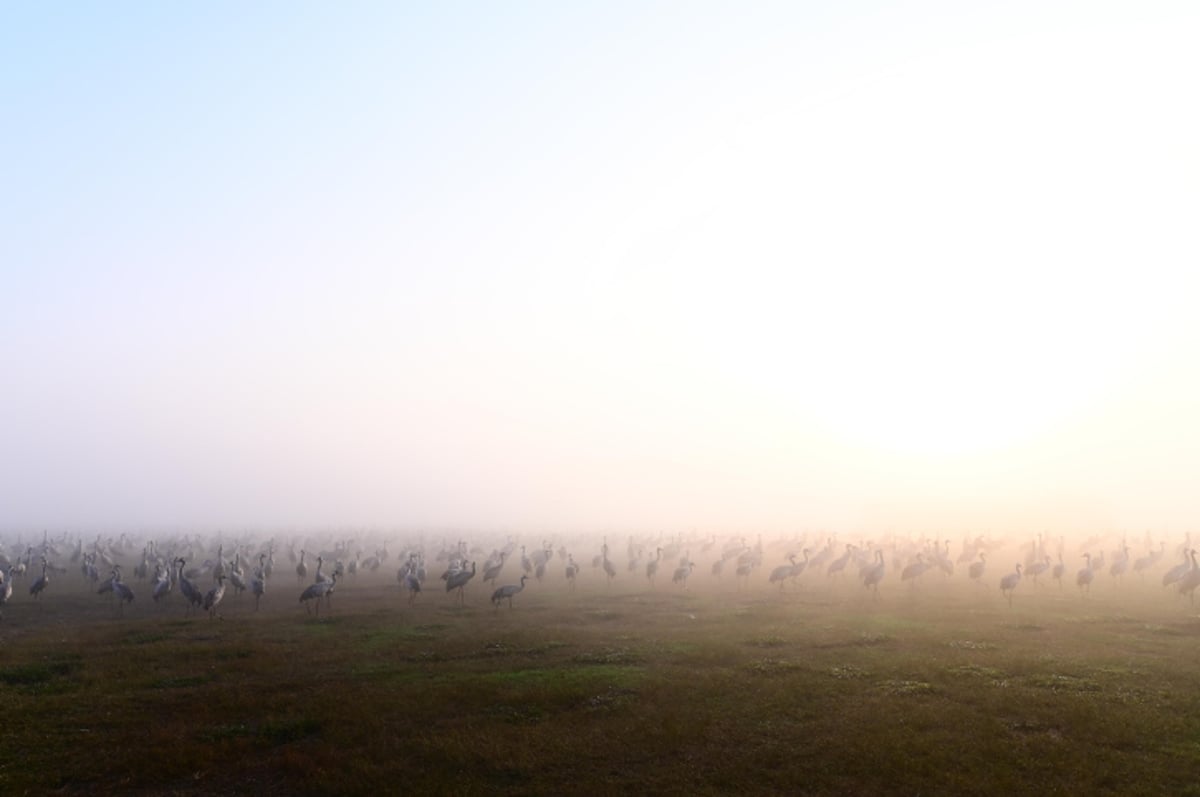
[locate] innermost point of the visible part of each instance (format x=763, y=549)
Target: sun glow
x=594, y=265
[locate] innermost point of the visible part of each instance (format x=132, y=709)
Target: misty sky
x=645, y=265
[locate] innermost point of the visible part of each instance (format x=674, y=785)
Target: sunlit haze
x=715, y=266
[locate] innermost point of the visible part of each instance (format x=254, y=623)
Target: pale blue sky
x=689, y=264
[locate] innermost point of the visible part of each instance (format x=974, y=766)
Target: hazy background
x=785, y=265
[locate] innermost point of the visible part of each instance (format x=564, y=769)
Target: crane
x=975, y=571
x=572, y=571
x=1010, y=582
x=5, y=591
x=458, y=581
x=121, y=591
x=190, y=591
x=1191, y=580
x=652, y=566
x=258, y=584
x=781, y=573
x=39, y=584
x=1083, y=579
x=508, y=591
x=682, y=572
x=875, y=573
x=316, y=591
x=212, y=598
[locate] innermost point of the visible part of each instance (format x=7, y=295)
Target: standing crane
x=1037, y=568
x=143, y=567
x=783, y=572
x=539, y=571
x=1191, y=580
x=39, y=584
x=572, y=571
x=219, y=567
x=212, y=598
x=190, y=591
x=839, y=565
x=742, y=574
x=22, y=565
x=1009, y=583
x=5, y=591
x=458, y=581
x=1083, y=579
x=258, y=584
x=609, y=569
x=508, y=591
x=316, y=591
x=237, y=576
x=914, y=571
x=120, y=590
x=162, y=582
x=941, y=558
x=799, y=567
x=491, y=569
x=412, y=583
x=1059, y=570
x=873, y=574
x=975, y=571
x=680, y=576
x=1120, y=563
x=1149, y=560
x=652, y=567
x=1177, y=572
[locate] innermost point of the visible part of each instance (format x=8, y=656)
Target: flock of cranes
x=803, y=563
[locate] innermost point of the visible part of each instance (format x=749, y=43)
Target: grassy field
x=941, y=689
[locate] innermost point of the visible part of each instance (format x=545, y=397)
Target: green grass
x=624, y=690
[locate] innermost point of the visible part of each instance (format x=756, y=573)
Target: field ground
x=940, y=689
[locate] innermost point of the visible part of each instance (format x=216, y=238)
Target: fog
x=239, y=576
x=870, y=272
